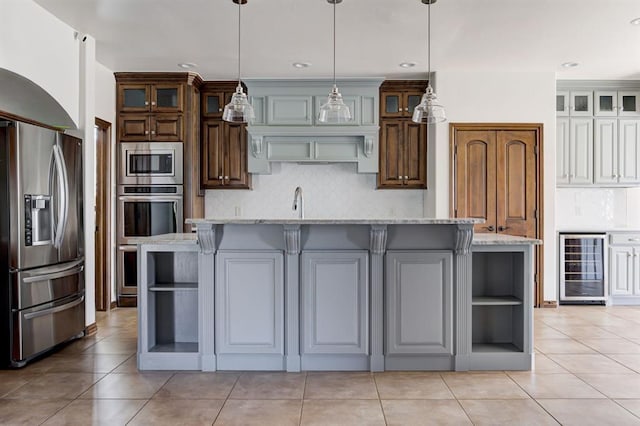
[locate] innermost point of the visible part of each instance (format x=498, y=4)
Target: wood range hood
x=286, y=128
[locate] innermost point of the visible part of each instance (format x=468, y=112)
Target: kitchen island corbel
x=306, y=294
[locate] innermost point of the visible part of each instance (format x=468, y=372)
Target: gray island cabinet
x=321, y=294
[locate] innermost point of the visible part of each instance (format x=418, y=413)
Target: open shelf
x=185, y=286
x=495, y=301
x=494, y=348
x=175, y=347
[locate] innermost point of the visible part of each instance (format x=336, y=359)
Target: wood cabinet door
x=235, y=156
x=166, y=127
x=167, y=97
x=134, y=97
x=213, y=104
x=516, y=182
x=415, y=154
x=391, y=174
x=392, y=104
x=212, y=154
x=133, y=127
x=475, y=177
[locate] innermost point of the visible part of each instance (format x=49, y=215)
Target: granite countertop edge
x=501, y=239
x=318, y=221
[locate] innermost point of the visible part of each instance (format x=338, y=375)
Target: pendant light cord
x=334, y=43
x=429, y=42
x=239, y=37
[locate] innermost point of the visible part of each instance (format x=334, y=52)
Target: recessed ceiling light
x=635, y=21
x=187, y=65
x=570, y=64
x=407, y=64
x=301, y=65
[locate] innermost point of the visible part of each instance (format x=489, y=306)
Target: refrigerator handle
x=50, y=311
x=63, y=191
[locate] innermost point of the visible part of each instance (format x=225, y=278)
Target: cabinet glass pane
x=135, y=98
x=581, y=103
x=167, y=97
x=560, y=102
x=629, y=103
x=413, y=101
x=605, y=103
x=392, y=104
x=213, y=104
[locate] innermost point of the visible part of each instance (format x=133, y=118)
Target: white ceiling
x=374, y=36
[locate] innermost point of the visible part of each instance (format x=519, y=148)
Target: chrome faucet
x=298, y=205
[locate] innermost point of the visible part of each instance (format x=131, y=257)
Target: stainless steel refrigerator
x=41, y=241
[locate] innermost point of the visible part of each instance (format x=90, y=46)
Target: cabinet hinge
x=535, y=213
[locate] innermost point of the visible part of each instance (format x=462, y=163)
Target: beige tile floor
x=587, y=372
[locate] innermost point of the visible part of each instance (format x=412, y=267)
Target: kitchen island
x=324, y=294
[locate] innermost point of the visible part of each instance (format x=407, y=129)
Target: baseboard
x=550, y=304
x=113, y=305
x=127, y=302
x=91, y=329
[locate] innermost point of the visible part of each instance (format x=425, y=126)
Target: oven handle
x=54, y=310
x=128, y=248
x=148, y=198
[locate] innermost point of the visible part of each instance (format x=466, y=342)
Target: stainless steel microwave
x=151, y=163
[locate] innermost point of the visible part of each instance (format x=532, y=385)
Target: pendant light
x=335, y=110
x=429, y=110
x=239, y=110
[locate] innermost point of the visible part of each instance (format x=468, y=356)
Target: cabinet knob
x=491, y=228
x=219, y=109
x=220, y=177
x=502, y=228
x=153, y=132
x=146, y=103
x=406, y=177
x=153, y=103
x=146, y=132
x=400, y=177
x=226, y=177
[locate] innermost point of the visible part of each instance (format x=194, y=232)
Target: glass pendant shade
x=429, y=110
x=335, y=110
x=239, y=110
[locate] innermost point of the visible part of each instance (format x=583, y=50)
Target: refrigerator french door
x=41, y=241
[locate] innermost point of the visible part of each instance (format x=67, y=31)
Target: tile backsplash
x=329, y=190
x=597, y=208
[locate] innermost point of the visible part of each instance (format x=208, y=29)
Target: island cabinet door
x=335, y=310
x=418, y=289
x=249, y=310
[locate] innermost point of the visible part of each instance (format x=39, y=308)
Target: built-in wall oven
x=583, y=275
x=150, y=202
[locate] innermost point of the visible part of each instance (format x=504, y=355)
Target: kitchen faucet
x=299, y=206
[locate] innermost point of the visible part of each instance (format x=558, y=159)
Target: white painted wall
x=43, y=49
x=497, y=97
x=329, y=190
x=105, y=102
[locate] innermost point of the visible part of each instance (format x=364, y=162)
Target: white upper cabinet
x=611, y=103
x=575, y=103
x=606, y=151
x=629, y=151
x=581, y=151
x=562, y=151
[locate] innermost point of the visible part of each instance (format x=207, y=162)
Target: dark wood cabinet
x=145, y=127
x=403, y=143
x=153, y=97
x=223, y=144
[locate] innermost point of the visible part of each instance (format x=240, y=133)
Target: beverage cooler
x=583, y=275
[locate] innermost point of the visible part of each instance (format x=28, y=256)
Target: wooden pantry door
x=497, y=176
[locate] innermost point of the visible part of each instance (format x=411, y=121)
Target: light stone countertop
x=178, y=238
x=316, y=221
x=502, y=239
